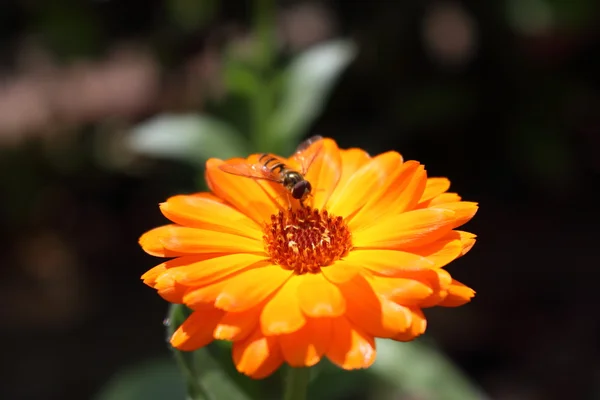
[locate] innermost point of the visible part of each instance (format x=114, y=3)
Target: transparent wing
x=307, y=152
x=255, y=171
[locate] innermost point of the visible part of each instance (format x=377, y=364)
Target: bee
x=273, y=168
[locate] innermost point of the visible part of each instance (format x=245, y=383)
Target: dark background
x=500, y=96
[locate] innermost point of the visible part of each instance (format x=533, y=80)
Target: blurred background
x=108, y=107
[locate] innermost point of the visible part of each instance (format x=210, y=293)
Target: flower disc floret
x=306, y=239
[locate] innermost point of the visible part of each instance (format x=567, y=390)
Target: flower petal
x=372, y=313
x=401, y=191
x=386, y=262
x=341, y=271
x=236, y=326
x=442, y=199
x=442, y=251
x=206, y=211
x=160, y=277
x=410, y=229
x=320, y=298
x=352, y=160
x=434, y=187
x=347, y=200
x=249, y=288
x=206, y=271
x=405, y=291
x=257, y=356
x=306, y=346
x=149, y=278
x=350, y=348
x=282, y=313
x=202, y=296
x=417, y=327
x=465, y=210
x=174, y=240
x=197, y=330
x=468, y=240
x=324, y=173
x=458, y=294
x=245, y=194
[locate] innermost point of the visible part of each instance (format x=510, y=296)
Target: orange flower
x=359, y=260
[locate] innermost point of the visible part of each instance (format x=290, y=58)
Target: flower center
x=306, y=239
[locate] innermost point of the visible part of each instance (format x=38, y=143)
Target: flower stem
x=296, y=385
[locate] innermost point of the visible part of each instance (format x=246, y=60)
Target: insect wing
x=255, y=171
x=307, y=152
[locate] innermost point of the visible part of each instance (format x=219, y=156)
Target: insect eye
x=299, y=189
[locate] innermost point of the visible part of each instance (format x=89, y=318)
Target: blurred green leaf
x=308, y=81
x=240, y=78
x=417, y=368
x=330, y=382
x=191, y=14
x=191, y=138
x=205, y=378
x=152, y=380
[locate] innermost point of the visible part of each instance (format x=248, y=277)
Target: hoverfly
x=273, y=168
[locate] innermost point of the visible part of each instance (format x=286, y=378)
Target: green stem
x=296, y=385
x=264, y=28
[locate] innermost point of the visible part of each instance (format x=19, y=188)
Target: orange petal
x=442, y=199
x=405, y=291
x=160, y=277
x=324, y=173
x=236, y=326
x=257, y=356
x=434, y=187
x=305, y=347
x=468, y=240
x=205, y=272
x=347, y=200
x=352, y=160
x=386, y=262
x=245, y=194
x=282, y=313
x=170, y=290
x=320, y=298
x=440, y=284
x=341, y=271
x=247, y=289
x=206, y=211
x=372, y=313
x=442, y=251
x=350, y=348
x=149, y=278
x=202, y=296
x=458, y=294
x=174, y=240
x=417, y=327
x=413, y=228
x=400, y=192
x=465, y=210
x=197, y=330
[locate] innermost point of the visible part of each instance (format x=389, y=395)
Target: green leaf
x=151, y=380
x=330, y=382
x=418, y=369
x=241, y=79
x=189, y=137
x=308, y=81
x=205, y=378
x=191, y=15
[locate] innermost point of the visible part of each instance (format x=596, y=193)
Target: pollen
x=305, y=240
